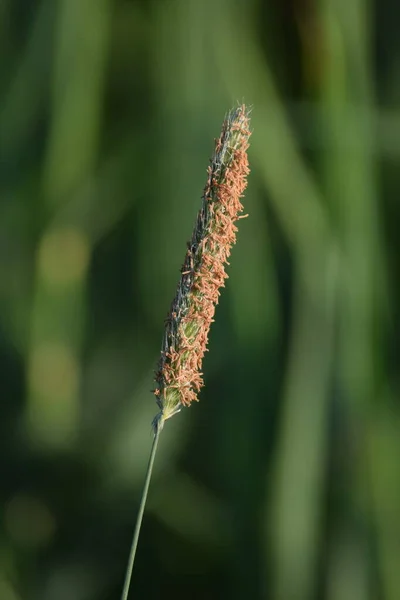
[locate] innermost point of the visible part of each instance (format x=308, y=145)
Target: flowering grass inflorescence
x=179, y=376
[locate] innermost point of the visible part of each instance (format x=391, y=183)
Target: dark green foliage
x=283, y=483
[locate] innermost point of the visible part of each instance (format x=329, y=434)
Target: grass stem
x=131, y=561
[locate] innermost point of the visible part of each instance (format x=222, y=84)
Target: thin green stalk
x=129, y=568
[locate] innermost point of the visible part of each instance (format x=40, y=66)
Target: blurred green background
x=283, y=483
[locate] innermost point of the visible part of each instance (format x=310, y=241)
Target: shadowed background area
x=283, y=482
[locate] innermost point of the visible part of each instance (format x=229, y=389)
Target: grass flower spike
x=179, y=376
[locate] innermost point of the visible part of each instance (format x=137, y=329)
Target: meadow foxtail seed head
x=179, y=376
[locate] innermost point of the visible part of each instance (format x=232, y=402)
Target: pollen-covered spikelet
x=179, y=376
